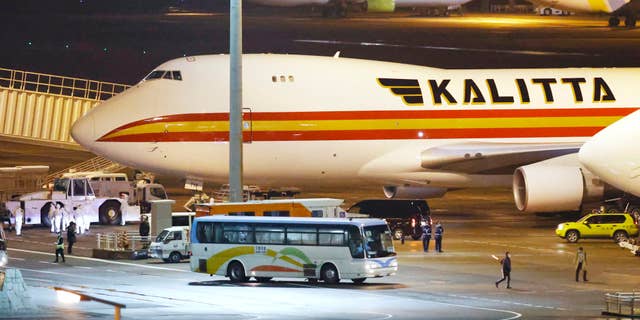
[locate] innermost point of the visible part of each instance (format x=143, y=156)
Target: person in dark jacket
x=144, y=228
x=439, y=231
x=426, y=237
x=59, y=247
x=71, y=236
x=506, y=270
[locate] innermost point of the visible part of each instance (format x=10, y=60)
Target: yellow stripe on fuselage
x=374, y=124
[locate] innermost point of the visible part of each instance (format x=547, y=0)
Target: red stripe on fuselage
x=256, y=136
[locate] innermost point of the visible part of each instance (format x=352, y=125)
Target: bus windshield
x=378, y=241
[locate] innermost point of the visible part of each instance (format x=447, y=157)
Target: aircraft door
x=247, y=125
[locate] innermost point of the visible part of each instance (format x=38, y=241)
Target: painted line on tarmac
x=505, y=302
x=81, y=267
x=38, y=279
x=391, y=45
x=19, y=259
x=102, y=260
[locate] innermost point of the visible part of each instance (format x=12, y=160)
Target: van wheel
x=573, y=236
x=358, y=280
x=620, y=236
x=109, y=213
x=329, y=274
x=236, y=272
x=397, y=233
x=174, y=257
x=263, y=279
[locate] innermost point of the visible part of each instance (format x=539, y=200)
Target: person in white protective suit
x=55, y=218
x=124, y=207
x=19, y=216
x=64, y=218
x=85, y=216
x=79, y=218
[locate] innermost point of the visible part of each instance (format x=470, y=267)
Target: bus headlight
x=394, y=264
x=369, y=265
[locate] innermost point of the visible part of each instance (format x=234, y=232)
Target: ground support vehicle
x=70, y=193
x=617, y=226
x=115, y=185
x=318, y=207
x=405, y=217
x=171, y=245
x=632, y=246
x=317, y=249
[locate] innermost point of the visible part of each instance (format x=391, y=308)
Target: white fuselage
x=317, y=122
x=606, y=6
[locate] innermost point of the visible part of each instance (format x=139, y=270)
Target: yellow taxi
x=616, y=226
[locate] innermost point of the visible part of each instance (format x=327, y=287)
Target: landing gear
x=630, y=21
x=336, y=8
x=614, y=22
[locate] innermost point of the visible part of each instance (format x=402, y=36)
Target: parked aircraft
x=614, y=156
x=628, y=9
x=341, y=7
x=332, y=122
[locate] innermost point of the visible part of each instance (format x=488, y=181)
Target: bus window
x=331, y=237
x=316, y=213
x=302, y=235
x=267, y=234
x=237, y=233
x=204, y=232
x=281, y=213
x=242, y=213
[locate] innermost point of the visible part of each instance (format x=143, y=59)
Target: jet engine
x=381, y=5
x=544, y=188
x=413, y=192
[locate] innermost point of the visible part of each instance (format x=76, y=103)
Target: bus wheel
x=263, y=279
x=174, y=257
x=329, y=274
x=358, y=280
x=236, y=272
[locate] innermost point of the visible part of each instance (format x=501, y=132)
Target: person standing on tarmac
x=426, y=237
x=71, y=236
x=59, y=247
x=506, y=269
x=19, y=216
x=581, y=264
x=438, y=236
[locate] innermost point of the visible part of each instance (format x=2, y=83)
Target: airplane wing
x=492, y=157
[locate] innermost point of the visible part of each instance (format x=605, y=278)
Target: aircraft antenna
x=337, y=55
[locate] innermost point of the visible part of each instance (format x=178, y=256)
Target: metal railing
x=622, y=304
x=93, y=164
x=59, y=85
x=117, y=241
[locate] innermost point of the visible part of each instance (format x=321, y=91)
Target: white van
x=171, y=245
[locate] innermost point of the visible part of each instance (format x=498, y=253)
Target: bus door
x=247, y=125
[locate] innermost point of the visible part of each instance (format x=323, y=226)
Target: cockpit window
x=163, y=74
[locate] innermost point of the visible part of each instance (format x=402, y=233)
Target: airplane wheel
x=630, y=21
x=614, y=22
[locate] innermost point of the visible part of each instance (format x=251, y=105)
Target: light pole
x=235, y=101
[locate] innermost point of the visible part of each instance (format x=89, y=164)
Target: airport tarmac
x=455, y=284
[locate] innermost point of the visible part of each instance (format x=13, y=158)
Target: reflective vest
x=60, y=243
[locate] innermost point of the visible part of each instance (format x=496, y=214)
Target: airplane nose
x=83, y=131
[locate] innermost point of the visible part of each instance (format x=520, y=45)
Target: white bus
x=331, y=249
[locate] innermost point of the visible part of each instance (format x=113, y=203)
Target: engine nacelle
x=381, y=5
x=541, y=188
x=411, y=192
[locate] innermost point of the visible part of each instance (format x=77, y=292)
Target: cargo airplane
x=627, y=9
x=340, y=8
x=338, y=123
